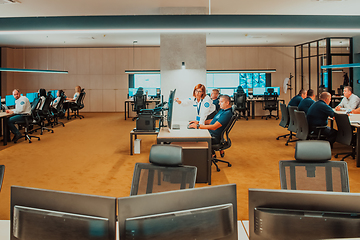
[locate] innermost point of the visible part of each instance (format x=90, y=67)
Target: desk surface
x=183, y=132
x=5, y=230
x=4, y=114
x=147, y=100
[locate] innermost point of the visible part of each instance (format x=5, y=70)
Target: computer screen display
x=196, y=213
x=46, y=214
x=259, y=91
x=290, y=214
x=227, y=91
x=170, y=108
x=9, y=100
x=152, y=92
x=276, y=90
x=32, y=96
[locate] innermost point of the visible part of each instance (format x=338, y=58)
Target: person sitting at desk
x=215, y=99
x=42, y=96
x=202, y=102
x=349, y=102
x=295, y=101
x=57, y=99
x=22, y=106
x=318, y=114
x=306, y=103
x=76, y=95
x=219, y=122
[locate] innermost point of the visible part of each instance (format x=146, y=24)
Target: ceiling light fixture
x=31, y=70
x=351, y=65
x=242, y=71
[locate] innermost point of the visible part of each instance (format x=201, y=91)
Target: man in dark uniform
x=306, y=103
x=318, y=115
x=298, y=98
x=219, y=122
x=215, y=99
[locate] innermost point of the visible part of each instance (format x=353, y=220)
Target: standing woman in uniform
x=202, y=103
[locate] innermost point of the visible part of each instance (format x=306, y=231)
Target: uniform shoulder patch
x=22, y=103
x=207, y=105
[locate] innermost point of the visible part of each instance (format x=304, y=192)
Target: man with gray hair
x=318, y=114
x=349, y=102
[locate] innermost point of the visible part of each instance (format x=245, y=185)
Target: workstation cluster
x=46, y=110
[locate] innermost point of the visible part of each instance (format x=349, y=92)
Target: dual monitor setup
x=256, y=91
x=10, y=100
x=197, y=213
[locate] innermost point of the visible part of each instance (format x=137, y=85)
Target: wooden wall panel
x=96, y=100
x=96, y=61
x=32, y=58
x=83, y=60
x=109, y=82
x=70, y=60
x=108, y=101
x=122, y=81
x=109, y=61
x=96, y=81
x=57, y=59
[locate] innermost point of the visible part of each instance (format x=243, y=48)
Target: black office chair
x=241, y=104
x=42, y=114
x=139, y=104
x=2, y=172
x=29, y=121
x=165, y=172
x=312, y=169
x=345, y=135
x=303, y=132
x=270, y=104
x=78, y=105
x=225, y=141
x=59, y=111
x=284, y=122
x=292, y=124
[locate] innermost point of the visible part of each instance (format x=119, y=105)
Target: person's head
x=16, y=93
x=214, y=94
x=326, y=97
x=302, y=93
x=199, y=91
x=224, y=102
x=78, y=89
x=310, y=94
x=42, y=92
x=347, y=91
x=59, y=93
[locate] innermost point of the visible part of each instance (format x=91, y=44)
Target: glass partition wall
x=310, y=56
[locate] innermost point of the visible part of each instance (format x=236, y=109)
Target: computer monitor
x=150, y=92
x=275, y=90
x=227, y=91
x=259, y=91
x=195, y=213
x=132, y=91
x=170, y=108
x=32, y=96
x=46, y=214
x=54, y=93
x=295, y=214
x=9, y=100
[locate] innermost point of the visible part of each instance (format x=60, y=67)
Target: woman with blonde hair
x=76, y=95
x=201, y=102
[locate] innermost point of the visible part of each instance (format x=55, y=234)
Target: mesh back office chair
x=165, y=172
x=225, y=141
x=59, y=111
x=2, y=172
x=139, y=103
x=312, y=169
x=284, y=122
x=78, y=105
x=292, y=124
x=270, y=104
x=241, y=105
x=345, y=134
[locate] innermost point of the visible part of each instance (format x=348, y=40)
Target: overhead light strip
x=189, y=30
x=142, y=71
x=31, y=70
x=351, y=65
x=243, y=71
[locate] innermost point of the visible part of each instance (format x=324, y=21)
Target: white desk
x=187, y=135
x=5, y=132
x=5, y=230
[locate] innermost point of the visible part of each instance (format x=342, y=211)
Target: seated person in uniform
x=76, y=95
x=215, y=99
x=306, y=103
x=349, y=102
x=219, y=122
x=22, y=107
x=318, y=115
x=295, y=101
x=57, y=99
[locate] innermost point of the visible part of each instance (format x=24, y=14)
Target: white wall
x=101, y=71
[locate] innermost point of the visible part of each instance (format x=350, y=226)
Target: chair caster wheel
x=222, y=154
x=336, y=156
x=286, y=144
x=218, y=170
x=277, y=138
x=229, y=165
x=39, y=139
